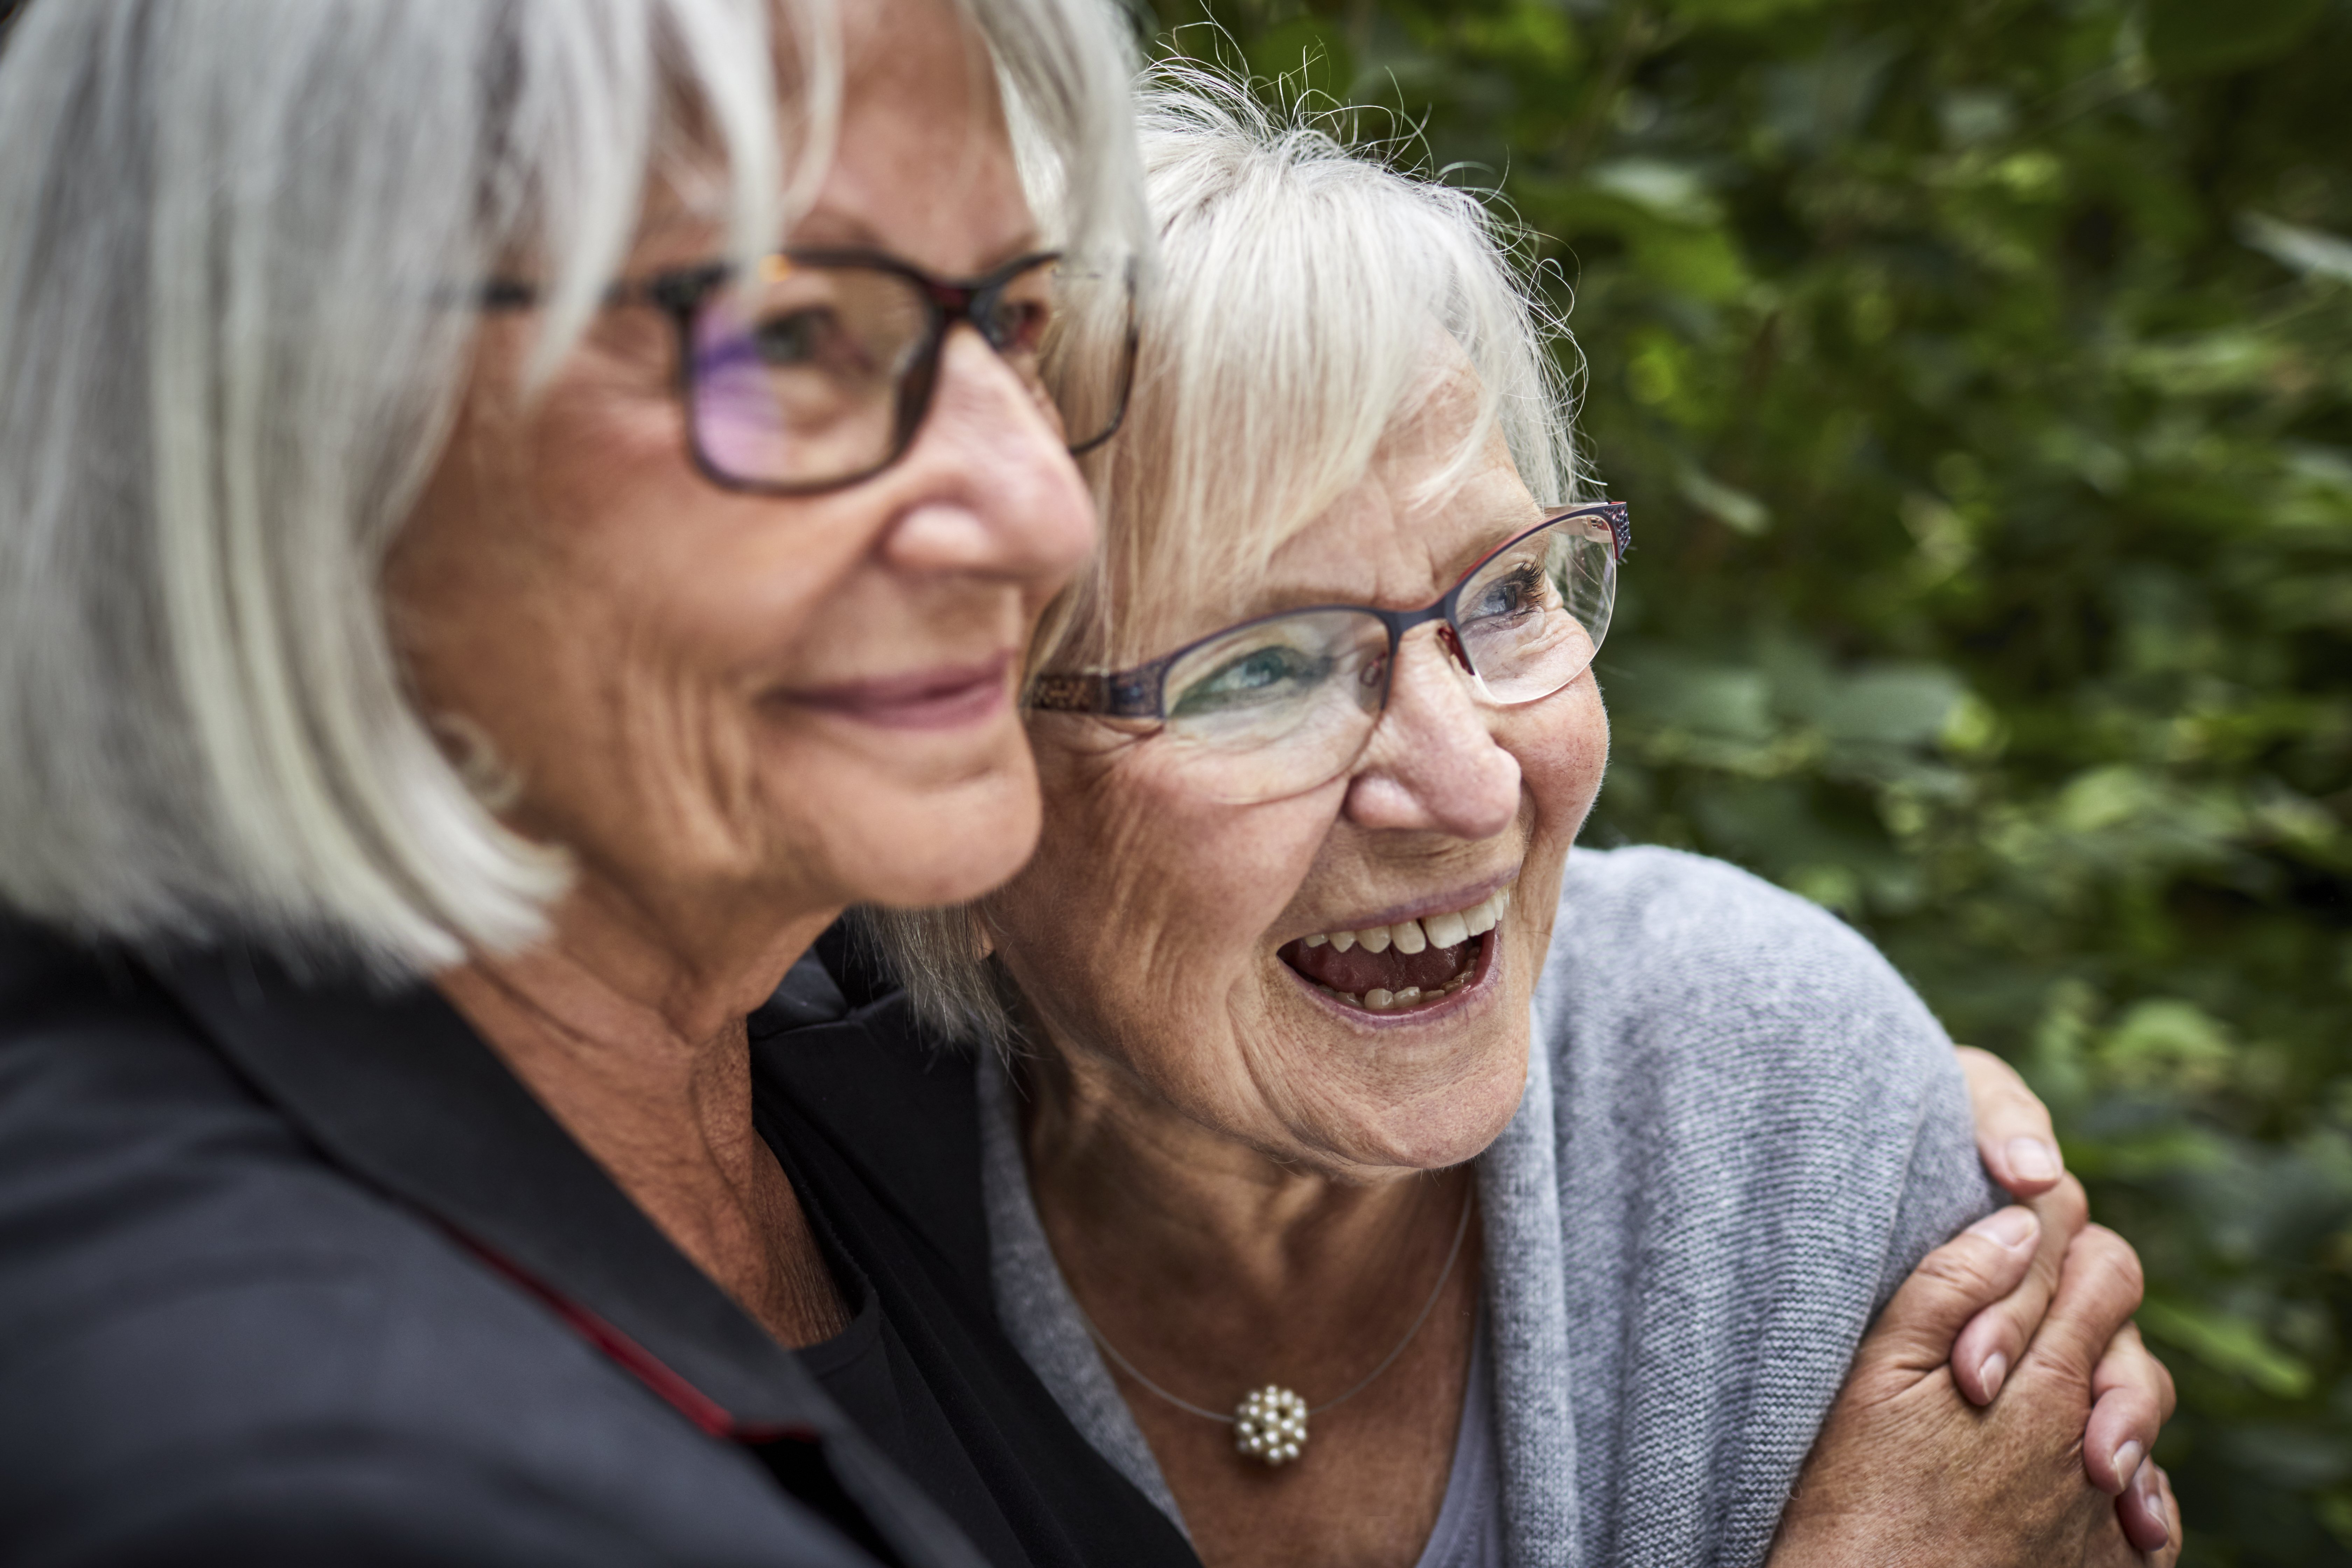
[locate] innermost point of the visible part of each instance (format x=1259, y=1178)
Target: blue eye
x=1270, y=674
x=1518, y=591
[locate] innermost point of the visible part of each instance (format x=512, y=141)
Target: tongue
x=1357, y=972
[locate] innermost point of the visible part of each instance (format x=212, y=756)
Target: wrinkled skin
x=1226, y=1162
x=702, y=696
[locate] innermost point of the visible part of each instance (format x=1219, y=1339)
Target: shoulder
x=1650, y=911
x=1728, y=1048
x=210, y=1337
x=1658, y=951
x=139, y=1175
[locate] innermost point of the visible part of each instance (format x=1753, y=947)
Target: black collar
x=398, y=1089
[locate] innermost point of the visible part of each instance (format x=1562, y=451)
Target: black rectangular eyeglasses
x=815, y=369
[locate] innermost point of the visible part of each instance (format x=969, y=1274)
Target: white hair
x=1306, y=298
x=240, y=246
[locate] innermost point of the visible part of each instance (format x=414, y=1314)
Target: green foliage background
x=1978, y=375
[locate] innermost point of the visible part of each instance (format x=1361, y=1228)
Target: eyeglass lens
x=1283, y=705
x=806, y=374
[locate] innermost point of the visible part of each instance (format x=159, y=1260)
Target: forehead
x=921, y=162
x=1437, y=494
x=1420, y=517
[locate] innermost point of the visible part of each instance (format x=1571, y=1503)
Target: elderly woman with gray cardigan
x=1371, y=1180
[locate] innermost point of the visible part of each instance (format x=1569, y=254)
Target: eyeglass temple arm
x=1119, y=694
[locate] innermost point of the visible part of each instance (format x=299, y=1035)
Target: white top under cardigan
x=1741, y=1130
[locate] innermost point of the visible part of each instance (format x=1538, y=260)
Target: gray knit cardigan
x=1741, y=1130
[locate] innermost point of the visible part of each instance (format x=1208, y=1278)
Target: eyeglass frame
x=1140, y=692
x=679, y=293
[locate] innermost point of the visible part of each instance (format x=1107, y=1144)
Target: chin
x=947, y=846
x=1462, y=1124
x=1430, y=1106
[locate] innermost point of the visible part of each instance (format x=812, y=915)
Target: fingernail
x=2150, y=1480
x=1995, y=1368
x=2128, y=1458
x=2034, y=1161
x=2011, y=1228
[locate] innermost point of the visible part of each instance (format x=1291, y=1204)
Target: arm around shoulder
x=1760, y=1029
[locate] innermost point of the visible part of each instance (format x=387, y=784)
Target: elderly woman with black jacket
x=513, y=514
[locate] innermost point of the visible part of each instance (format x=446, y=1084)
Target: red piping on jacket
x=648, y=1368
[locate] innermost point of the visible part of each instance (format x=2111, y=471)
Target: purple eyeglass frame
x=1140, y=692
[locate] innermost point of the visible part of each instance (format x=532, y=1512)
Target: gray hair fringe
x=237, y=245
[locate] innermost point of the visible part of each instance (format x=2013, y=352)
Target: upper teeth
x=1430, y=931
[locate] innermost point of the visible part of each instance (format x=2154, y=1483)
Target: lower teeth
x=1376, y=1000
x=1381, y=999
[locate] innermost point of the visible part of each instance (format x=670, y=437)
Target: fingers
x=2149, y=1515
x=2099, y=1290
x=1994, y=1340
x=2013, y=1132
x=2146, y=1532
x=2132, y=1396
x=1951, y=1285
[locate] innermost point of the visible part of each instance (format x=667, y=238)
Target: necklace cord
x=1452, y=1254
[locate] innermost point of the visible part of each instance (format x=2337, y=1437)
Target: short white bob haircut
x=1309, y=298
x=239, y=246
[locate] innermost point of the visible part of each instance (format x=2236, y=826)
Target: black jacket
x=291, y=1272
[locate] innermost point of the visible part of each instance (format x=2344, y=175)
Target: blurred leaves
x=1981, y=376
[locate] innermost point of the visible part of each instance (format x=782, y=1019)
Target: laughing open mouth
x=1415, y=963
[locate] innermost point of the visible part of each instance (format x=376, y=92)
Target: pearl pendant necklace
x=1270, y=1427
x=1270, y=1422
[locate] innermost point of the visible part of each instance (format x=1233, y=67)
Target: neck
x=1151, y=1215
x=1214, y=1269
x=638, y=1048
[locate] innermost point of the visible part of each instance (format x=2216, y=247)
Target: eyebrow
x=680, y=212
x=857, y=235
x=1501, y=532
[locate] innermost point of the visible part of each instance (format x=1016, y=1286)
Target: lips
x=945, y=696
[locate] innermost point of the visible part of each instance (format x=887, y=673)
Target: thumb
x=1951, y=1285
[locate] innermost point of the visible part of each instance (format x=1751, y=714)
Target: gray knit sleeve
x=1945, y=1188
x=1760, y=1130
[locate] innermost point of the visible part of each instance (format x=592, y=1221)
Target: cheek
x=701, y=581
x=573, y=591
x=1563, y=745
x=542, y=536
x=1149, y=905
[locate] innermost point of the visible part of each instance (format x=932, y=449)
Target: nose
x=1002, y=496
x=1434, y=764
